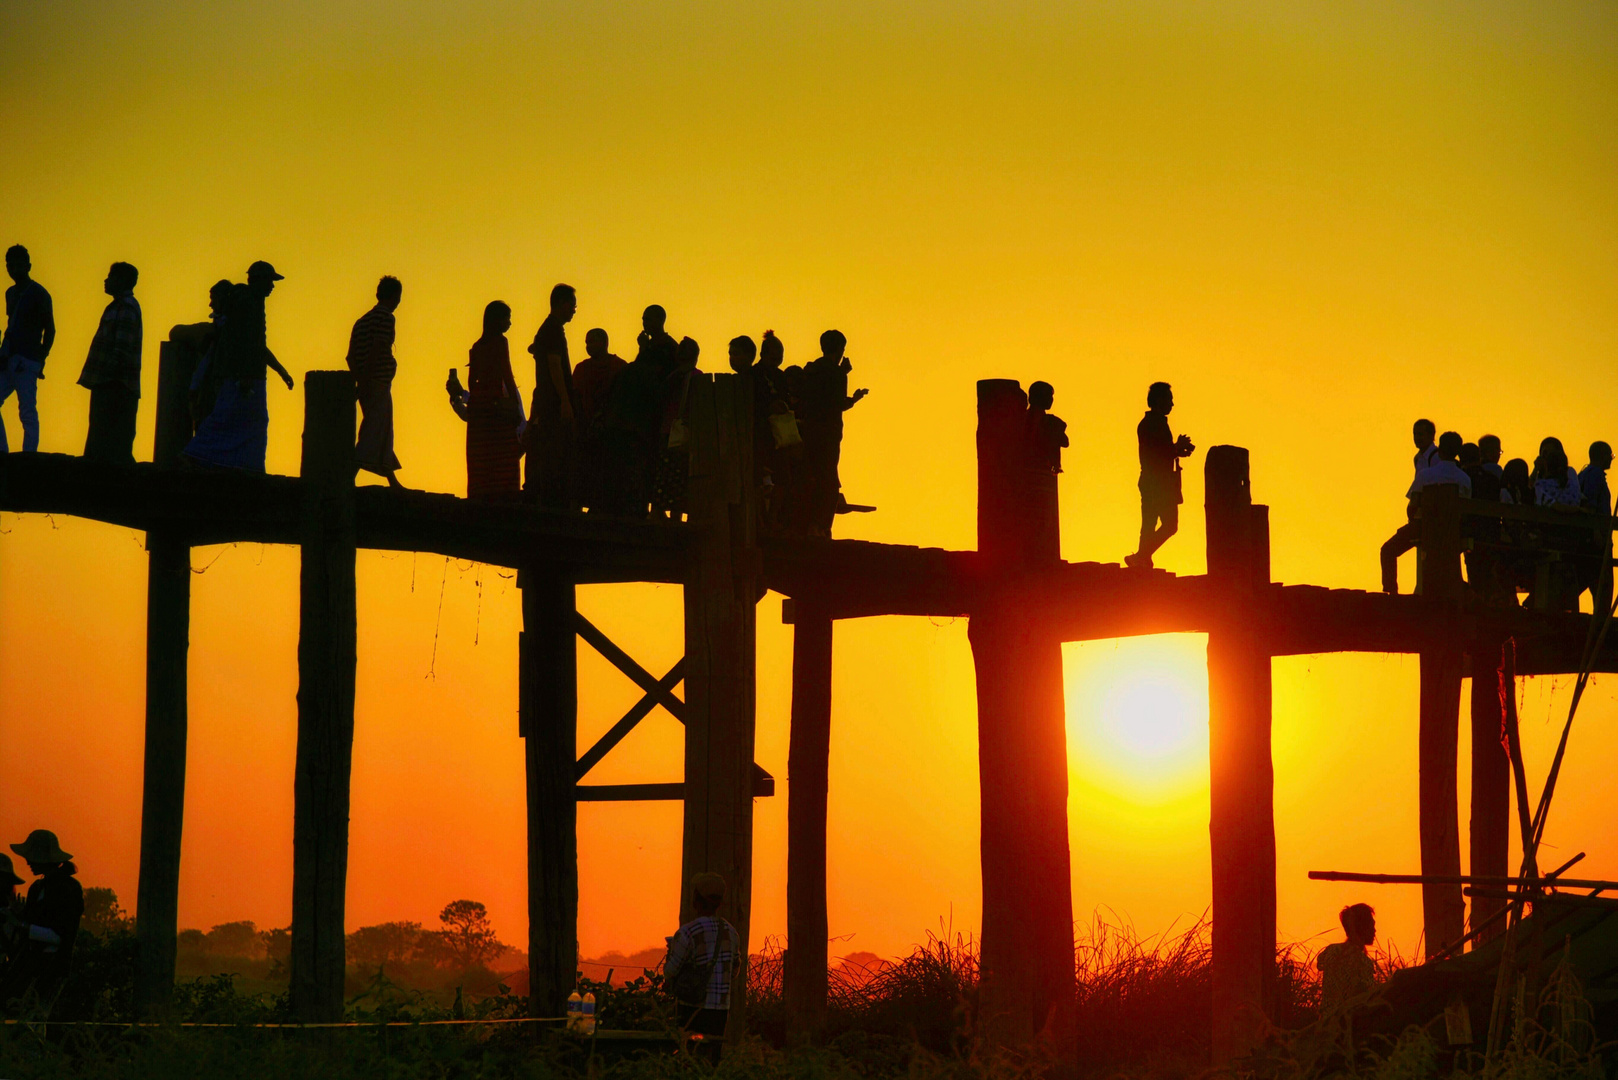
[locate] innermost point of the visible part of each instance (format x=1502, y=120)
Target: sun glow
x=1138, y=716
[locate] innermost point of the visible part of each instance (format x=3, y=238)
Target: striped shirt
x=705, y=939
x=370, y=347
x=115, y=350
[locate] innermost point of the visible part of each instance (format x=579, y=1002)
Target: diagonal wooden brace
x=642, y=709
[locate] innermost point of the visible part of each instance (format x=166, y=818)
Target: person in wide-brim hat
x=41, y=848
x=8, y=873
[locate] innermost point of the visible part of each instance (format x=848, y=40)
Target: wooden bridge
x=1022, y=602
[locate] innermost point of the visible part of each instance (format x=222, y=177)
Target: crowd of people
x=605, y=435
x=1477, y=472
x=37, y=931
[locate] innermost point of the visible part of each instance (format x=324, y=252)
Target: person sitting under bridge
x=1160, y=490
x=701, y=965
x=44, y=933
x=1444, y=470
x=1347, y=971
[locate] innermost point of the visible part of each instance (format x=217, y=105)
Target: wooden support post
x=1241, y=829
x=326, y=659
x=1491, y=780
x=548, y=707
x=168, y=640
x=1027, y=952
x=805, y=963
x=1439, y=576
x=721, y=594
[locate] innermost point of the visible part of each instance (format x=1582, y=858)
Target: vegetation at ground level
x=1142, y=1011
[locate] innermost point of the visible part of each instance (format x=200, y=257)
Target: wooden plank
x=804, y=967
x=548, y=696
x=168, y=638
x=326, y=659
x=1241, y=828
x=720, y=596
x=1027, y=941
x=616, y=734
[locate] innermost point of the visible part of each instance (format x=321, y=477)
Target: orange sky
x=1317, y=220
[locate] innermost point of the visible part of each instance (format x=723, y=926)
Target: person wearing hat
x=236, y=431
x=702, y=960
x=49, y=923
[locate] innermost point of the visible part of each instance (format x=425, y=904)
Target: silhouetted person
x=1445, y=469
x=1555, y=482
x=1347, y=970
x=371, y=360
x=1486, y=476
x=632, y=417
x=1489, y=455
x=235, y=433
x=671, y=471
x=492, y=409
x=593, y=378
x=1049, y=433
x=702, y=959
x=112, y=371
x=198, y=341
x=1593, y=479
x=743, y=352
x=1516, y=486
x=13, y=931
x=30, y=332
x=777, y=445
x=1423, y=432
x=1160, y=491
x=823, y=401
x=552, y=439
x=49, y=923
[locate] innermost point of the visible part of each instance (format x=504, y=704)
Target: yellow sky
x=1317, y=221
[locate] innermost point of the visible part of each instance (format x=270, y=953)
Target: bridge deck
x=843, y=578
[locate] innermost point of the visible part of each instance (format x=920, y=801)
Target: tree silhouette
x=103, y=915
x=468, y=938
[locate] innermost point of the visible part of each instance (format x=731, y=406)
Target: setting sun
x=1138, y=715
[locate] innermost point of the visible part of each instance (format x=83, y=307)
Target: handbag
x=678, y=435
x=784, y=430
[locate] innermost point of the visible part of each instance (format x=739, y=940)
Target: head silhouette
x=1359, y=923
x=261, y=278
x=1449, y=445
x=1489, y=448
x=1601, y=455
x=707, y=893
x=1516, y=472
x=742, y=353
x=1423, y=432
x=1470, y=455
x=564, y=302
x=218, y=296
x=496, y=318
x=1160, y=397
x=389, y=291
x=686, y=352
x=832, y=344
x=1041, y=395
x=17, y=263
x=595, y=342
x=771, y=352
x=121, y=279
x=1552, y=461
x=653, y=318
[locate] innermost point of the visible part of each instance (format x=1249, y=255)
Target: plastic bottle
x=588, y=1020
x=575, y=1011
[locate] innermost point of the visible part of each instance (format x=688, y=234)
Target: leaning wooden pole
x=1491, y=781
x=326, y=659
x=808, y=758
x=721, y=593
x=1027, y=942
x=1241, y=827
x=168, y=640
x=548, y=697
x=1439, y=577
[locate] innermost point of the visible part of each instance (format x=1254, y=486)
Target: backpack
x=690, y=984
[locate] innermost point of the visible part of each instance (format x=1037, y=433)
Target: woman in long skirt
x=492, y=409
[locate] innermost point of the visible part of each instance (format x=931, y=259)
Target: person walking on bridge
x=30, y=332
x=1160, y=481
x=370, y=358
x=553, y=431
x=112, y=371
x=492, y=408
x=235, y=434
